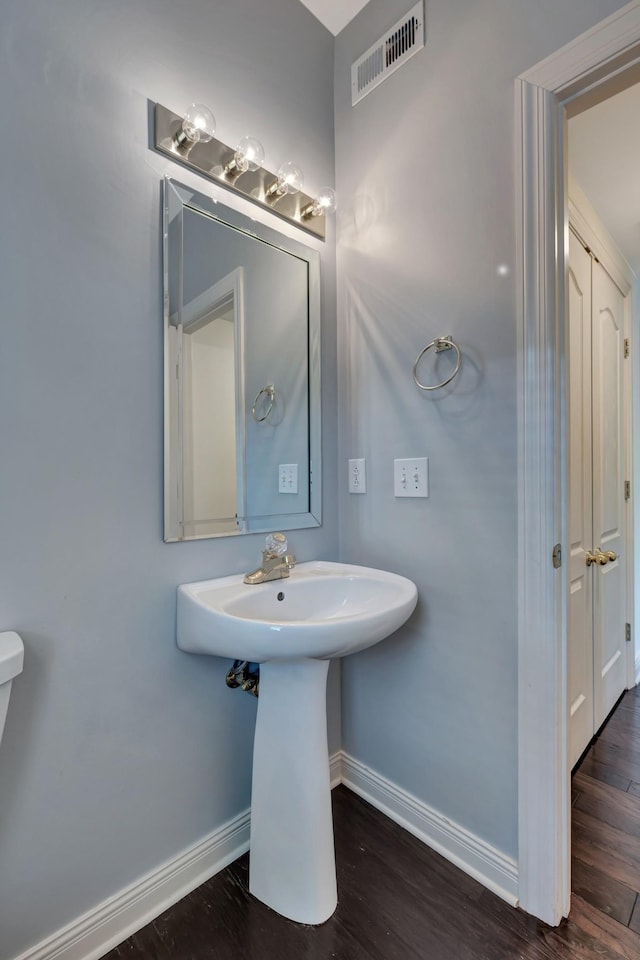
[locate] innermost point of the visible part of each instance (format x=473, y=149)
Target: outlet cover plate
x=357, y=476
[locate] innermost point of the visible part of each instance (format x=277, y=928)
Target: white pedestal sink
x=293, y=627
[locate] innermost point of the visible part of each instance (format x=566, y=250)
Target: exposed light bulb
x=198, y=125
x=324, y=204
x=289, y=180
x=249, y=155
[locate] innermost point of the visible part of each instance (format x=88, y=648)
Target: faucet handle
x=276, y=544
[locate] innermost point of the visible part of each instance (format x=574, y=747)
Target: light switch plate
x=288, y=478
x=357, y=476
x=411, y=477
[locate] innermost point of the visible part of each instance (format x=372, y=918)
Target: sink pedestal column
x=292, y=860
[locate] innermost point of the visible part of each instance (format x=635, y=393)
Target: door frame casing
x=542, y=95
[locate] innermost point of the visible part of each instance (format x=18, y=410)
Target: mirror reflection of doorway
x=211, y=441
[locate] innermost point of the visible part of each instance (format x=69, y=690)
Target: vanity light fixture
x=198, y=126
x=321, y=206
x=190, y=140
x=289, y=180
x=249, y=155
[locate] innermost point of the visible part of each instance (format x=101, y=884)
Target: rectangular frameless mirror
x=242, y=373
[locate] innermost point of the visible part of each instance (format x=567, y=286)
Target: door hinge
x=627, y=347
x=557, y=556
x=627, y=489
x=627, y=632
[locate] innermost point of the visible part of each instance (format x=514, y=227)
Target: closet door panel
x=608, y=491
x=579, y=520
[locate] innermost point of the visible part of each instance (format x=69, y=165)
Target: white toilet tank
x=11, y=659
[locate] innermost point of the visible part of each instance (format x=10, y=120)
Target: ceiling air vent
x=398, y=44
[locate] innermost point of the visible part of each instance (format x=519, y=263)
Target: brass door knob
x=599, y=557
x=611, y=555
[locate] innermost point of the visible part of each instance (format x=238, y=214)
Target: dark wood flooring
x=398, y=900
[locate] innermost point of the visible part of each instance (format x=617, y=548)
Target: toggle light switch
x=411, y=477
x=288, y=478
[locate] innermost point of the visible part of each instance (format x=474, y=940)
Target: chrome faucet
x=276, y=562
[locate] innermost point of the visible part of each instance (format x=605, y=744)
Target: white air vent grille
x=398, y=44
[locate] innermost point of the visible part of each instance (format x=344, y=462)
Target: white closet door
x=608, y=491
x=579, y=519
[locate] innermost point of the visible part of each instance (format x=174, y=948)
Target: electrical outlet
x=411, y=477
x=288, y=478
x=357, y=476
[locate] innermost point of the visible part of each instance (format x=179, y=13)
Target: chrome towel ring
x=265, y=400
x=440, y=344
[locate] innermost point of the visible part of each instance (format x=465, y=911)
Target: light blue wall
x=120, y=751
x=425, y=176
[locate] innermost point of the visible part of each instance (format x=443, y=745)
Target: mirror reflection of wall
x=242, y=309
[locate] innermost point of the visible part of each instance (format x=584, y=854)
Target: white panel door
x=608, y=491
x=580, y=512
x=596, y=656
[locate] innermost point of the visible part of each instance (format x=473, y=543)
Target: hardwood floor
x=605, y=841
x=398, y=900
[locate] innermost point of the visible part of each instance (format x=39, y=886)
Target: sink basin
x=322, y=610
x=293, y=627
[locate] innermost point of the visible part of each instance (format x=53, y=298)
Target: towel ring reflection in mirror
x=263, y=403
x=440, y=343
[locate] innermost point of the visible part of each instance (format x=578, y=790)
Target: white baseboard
x=637, y=672
x=471, y=854
x=98, y=931
x=335, y=768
